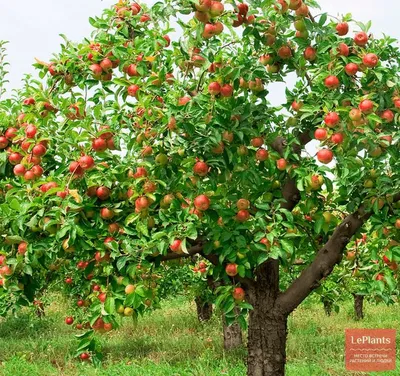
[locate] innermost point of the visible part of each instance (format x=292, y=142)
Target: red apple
x=342, y=28
x=202, y=202
x=332, y=82
x=361, y=39
x=231, y=269
x=325, y=156
x=321, y=134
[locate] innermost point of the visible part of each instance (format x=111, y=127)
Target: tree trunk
x=267, y=325
x=327, y=307
x=358, y=306
x=232, y=335
x=204, y=309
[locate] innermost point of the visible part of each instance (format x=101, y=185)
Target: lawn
x=171, y=342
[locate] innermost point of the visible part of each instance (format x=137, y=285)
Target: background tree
x=135, y=150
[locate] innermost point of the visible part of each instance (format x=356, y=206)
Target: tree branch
x=326, y=259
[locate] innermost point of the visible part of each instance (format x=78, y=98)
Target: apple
x=226, y=90
x=102, y=297
x=242, y=215
x=216, y=9
x=331, y=119
x=203, y=5
x=337, y=138
x=266, y=59
x=39, y=150
x=387, y=116
x=106, y=213
x=332, y=82
x=132, y=90
x=257, y=142
x=69, y=320
x=30, y=131
x=183, y=100
x=227, y=136
x=131, y=70
x=144, y=18
x=200, y=168
x=130, y=289
x=19, y=170
x=3, y=142
x=285, y=52
x=262, y=155
x=282, y=6
x=361, y=39
x=11, y=133
x=310, y=54
x=231, y=269
x=84, y=356
x=106, y=64
x=242, y=9
x=397, y=223
x=366, y=106
x=281, y=164
x=15, y=158
x=29, y=101
x=29, y=175
x=86, y=162
x=22, y=248
x=243, y=204
x=68, y=281
x=176, y=246
x=99, y=144
x=325, y=156
x=380, y=277
x=96, y=69
x=296, y=106
x=351, y=69
x=342, y=28
x=370, y=60
x=142, y=203
x=302, y=11
x=321, y=134
x=37, y=171
x=238, y=294
x=214, y=88
x=355, y=114
x=351, y=255
x=202, y=202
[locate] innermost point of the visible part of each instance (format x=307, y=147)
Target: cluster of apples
x=206, y=12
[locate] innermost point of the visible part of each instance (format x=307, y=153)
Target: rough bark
x=267, y=331
x=204, y=309
x=358, y=306
x=232, y=335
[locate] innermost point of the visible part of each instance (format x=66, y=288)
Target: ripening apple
x=337, y=138
x=183, y=100
x=242, y=215
x=332, y=82
x=231, y=269
x=397, y=223
x=203, y=5
x=325, y=156
x=285, y=52
x=69, y=320
x=361, y=39
x=22, y=248
x=343, y=49
x=106, y=213
x=331, y=119
x=238, y=294
x=86, y=162
x=226, y=90
x=310, y=53
x=366, y=106
x=214, y=88
x=200, y=168
x=262, y=155
x=296, y=106
x=355, y=114
x=202, y=202
x=130, y=289
x=370, y=60
x=217, y=8
x=281, y=164
x=342, y=28
x=302, y=11
x=39, y=150
x=242, y=8
x=99, y=144
x=176, y=246
x=243, y=204
x=257, y=142
x=387, y=116
x=321, y=134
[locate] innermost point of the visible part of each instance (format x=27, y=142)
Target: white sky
x=33, y=26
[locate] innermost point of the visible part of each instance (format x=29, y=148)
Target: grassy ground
x=171, y=342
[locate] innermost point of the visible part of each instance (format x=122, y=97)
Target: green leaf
x=109, y=305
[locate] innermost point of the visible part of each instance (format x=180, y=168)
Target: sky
x=33, y=27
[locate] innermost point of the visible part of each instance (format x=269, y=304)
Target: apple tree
x=141, y=145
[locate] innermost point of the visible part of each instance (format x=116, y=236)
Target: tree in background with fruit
x=137, y=148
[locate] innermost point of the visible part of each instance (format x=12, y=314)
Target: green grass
x=171, y=342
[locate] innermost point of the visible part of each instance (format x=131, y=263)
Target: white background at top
x=33, y=26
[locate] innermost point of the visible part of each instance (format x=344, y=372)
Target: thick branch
x=325, y=260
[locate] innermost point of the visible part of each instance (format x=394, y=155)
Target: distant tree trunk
x=358, y=306
x=327, y=307
x=204, y=309
x=232, y=335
